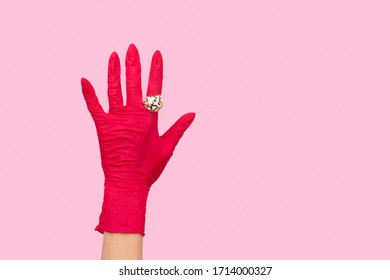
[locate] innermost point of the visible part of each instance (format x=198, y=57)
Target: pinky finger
x=90, y=97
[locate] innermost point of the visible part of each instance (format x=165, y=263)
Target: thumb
x=172, y=136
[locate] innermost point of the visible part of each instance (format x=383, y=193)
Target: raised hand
x=133, y=154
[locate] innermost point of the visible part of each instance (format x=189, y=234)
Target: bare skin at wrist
x=122, y=246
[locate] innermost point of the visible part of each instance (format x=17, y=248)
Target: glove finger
x=156, y=75
x=90, y=97
x=173, y=135
x=115, y=97
x=155, y=80
x=133, y=78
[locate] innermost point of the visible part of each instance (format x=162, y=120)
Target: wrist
x=123, y=209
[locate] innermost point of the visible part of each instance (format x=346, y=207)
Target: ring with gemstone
x=153, y=103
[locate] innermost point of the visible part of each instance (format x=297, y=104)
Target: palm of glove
x=131, y=150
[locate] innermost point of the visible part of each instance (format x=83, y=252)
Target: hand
x=133, y=154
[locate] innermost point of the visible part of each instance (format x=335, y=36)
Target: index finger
x=156, y=75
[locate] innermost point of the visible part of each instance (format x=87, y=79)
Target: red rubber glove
x=133, y=155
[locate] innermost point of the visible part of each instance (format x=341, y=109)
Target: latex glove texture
x=133, y=154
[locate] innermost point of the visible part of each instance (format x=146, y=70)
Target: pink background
x=288, y=157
